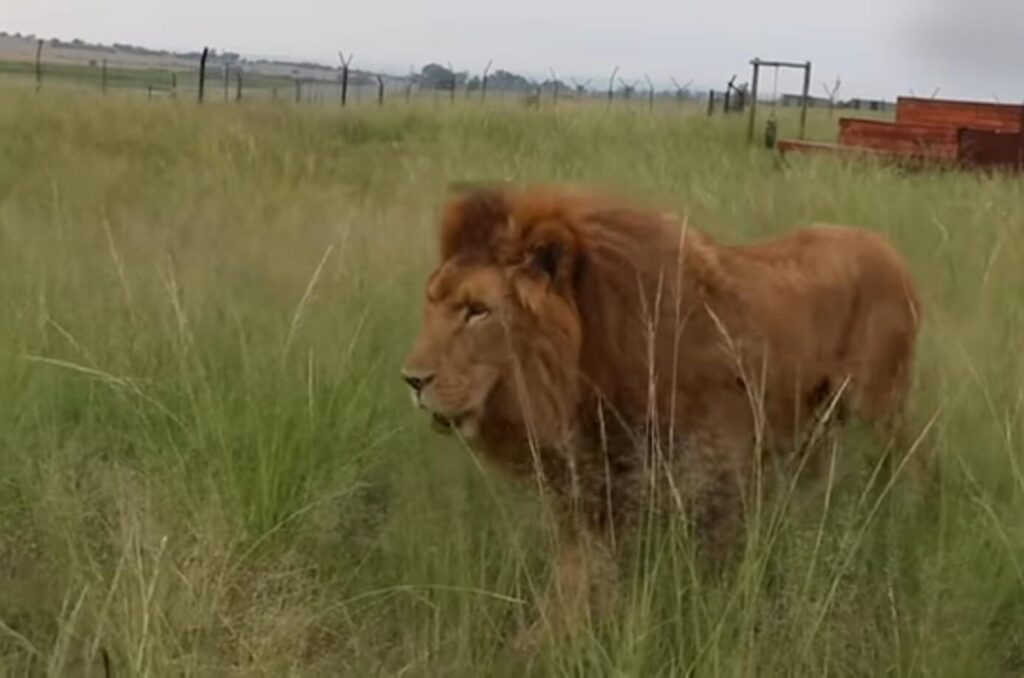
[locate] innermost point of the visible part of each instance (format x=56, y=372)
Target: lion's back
x=831, y=302
x=830, y=267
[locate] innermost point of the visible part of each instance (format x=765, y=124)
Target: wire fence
x=210, y=77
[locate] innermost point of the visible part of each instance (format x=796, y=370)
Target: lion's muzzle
x=417, y=381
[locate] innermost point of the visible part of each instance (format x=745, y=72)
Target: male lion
x=585, y=341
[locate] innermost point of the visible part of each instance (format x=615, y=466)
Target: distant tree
x=505, y=80
x=436, y=76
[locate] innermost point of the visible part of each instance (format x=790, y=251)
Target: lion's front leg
x=578, y=565
x=584, y=575
x=583, y=582
x=719, y=466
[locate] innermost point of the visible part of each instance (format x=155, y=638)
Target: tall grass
x=208, y=465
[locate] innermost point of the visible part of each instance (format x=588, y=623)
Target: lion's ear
x=547, y=258
x=551, y=252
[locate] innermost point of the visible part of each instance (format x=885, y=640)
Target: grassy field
x=208, y=463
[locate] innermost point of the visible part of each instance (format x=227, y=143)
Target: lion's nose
x=417, y=381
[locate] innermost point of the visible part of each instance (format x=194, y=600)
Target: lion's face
x=463, y=350
x=500, y=342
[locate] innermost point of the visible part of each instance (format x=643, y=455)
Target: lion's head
x=500, y=338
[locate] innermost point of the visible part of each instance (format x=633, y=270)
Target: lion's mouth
x=446, y=424
x=441, y=423
x=463, y=424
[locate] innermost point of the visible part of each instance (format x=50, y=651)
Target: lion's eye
x=474, y=311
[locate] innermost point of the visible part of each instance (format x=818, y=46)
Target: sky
x=878, y=48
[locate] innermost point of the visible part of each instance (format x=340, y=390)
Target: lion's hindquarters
x=882, y=334
x=885, y=338
x=842, y=312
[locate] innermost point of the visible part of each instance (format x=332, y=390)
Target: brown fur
x=614, y=340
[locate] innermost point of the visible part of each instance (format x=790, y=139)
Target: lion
x=585, y=341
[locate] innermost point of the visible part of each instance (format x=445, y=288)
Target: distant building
x=798, y=100
x=870, y=105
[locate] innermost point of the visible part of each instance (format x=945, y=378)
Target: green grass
x=208, y=465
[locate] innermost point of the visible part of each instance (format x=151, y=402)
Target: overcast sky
x=880, y=48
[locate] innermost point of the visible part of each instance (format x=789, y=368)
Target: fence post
x=711, y=103
x=238, y=84
x=345, y=62
x=483, y=81
x=227, y=74
x=380, y=91
x=806, y=99
x=39, y=65
x=103, y=77
x=611, y=86
x=298, y=91
x=755, y=77
x=174, y=85
x=202, y=73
